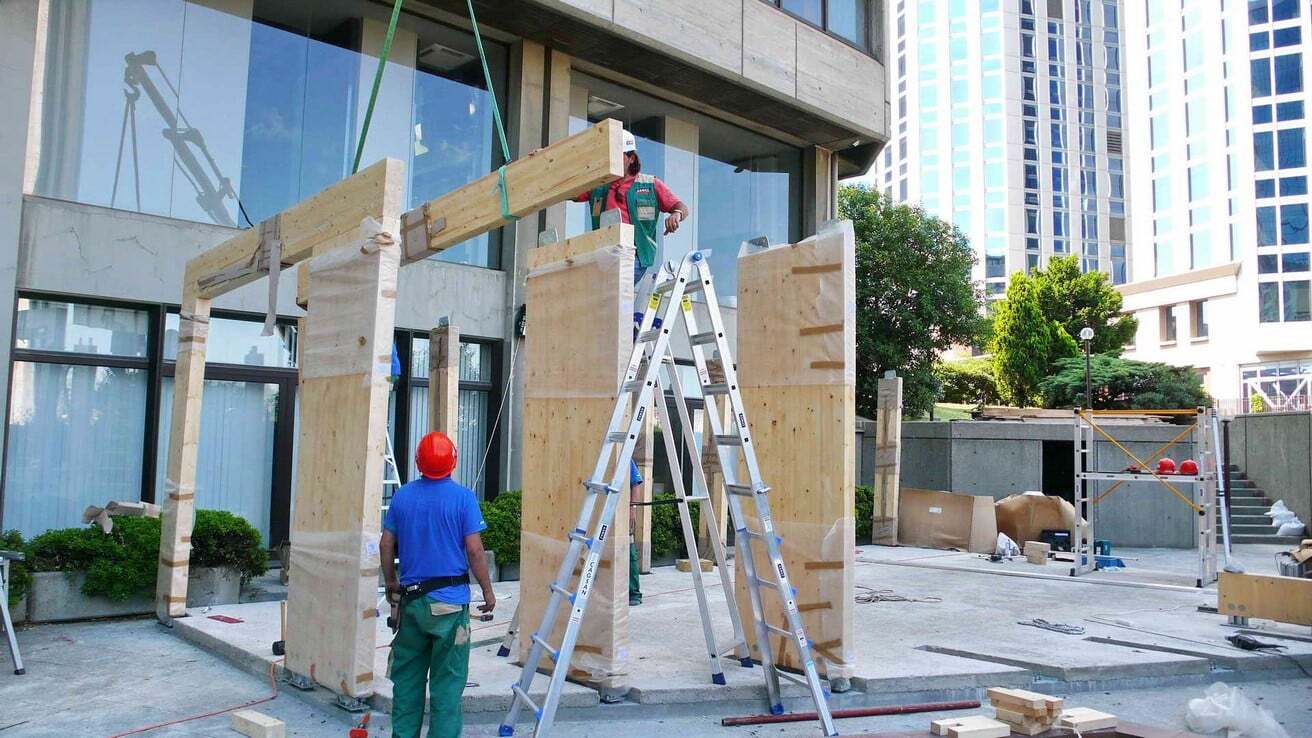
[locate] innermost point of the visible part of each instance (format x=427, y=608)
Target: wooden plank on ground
x=888, y=459
x=332, y=215
x=574, y=361
x=257, y=725
x=179, y=508
x=1285, y=599
x=444, y=380
x=346, y=363
x=799, y=388
x=544, y=177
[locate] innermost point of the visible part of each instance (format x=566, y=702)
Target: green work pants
x=430, y=650
x=635, y=589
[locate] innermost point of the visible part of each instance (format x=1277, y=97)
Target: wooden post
x=796, y=359
x=582, y=289
x=444, y=379
x=332, y=620
x=714, y=477
x=644, y=456
x=179, y=507
x=888, y=459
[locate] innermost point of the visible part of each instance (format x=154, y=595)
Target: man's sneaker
x=635, y=601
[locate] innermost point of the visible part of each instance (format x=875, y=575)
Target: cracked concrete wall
x=77, y=249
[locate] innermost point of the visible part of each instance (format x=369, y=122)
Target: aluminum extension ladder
x=651, y=350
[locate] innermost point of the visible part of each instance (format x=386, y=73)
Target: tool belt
x=411, y=592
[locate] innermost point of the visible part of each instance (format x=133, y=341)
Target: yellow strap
x=1130, y=453
x=1151, y=458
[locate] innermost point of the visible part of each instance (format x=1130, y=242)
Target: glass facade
x=96, y=381
x=228, y=117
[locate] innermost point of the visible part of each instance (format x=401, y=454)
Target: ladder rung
x=562, y=592
x=749, y=533
x=702, y=339
x=741, y=490
x=791, y=678
x=553, y=653
x=778, y=631
x=649, y=335
x=580, y=536
x=617, y=437
x=717, y=388
x=696, y=498
x=766, y=583
x=729, y=440
x=520, y=693
x=667, y=285
x=634, y=386
x=599, y=487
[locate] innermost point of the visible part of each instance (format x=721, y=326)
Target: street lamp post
x=1086, y=335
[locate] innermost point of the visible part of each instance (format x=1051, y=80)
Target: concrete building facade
x=1220, y=250
x=135, y=134
x=1008, y=122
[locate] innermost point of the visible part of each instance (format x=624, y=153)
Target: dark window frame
x=872, y=23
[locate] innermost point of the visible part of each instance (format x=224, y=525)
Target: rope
x=496, y=117
x=872, y=595
x=1141, y=464
x=378, y=82
x=1151, y=458
x=1054, y=627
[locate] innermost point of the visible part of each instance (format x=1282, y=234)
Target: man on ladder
x=434, y=523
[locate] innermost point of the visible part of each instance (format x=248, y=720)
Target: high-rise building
x=1219, y=180
x=1007, y=120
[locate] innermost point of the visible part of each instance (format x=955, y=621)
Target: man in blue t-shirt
x=433, y=524
x=635, y=501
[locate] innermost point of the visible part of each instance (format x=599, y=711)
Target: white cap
x=630, y=144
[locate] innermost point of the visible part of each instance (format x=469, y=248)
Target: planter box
x=57, y=596
x=508, y=572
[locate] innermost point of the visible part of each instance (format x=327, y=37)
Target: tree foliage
x=969, y=382
x=1078, y=300
x=1025, y=342
x=915, y=297
x=1124, y=384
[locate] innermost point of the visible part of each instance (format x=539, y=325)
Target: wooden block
x=1286, y=599
x=1035, y=557
x=1016, y=717
x=686, y=566
x=974, y=726
x=1037, y=547
x=1024, y=701
x=800, y=398
x=258, y=725
x=1085, y=718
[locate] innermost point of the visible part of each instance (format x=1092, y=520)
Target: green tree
x=969, y=382
x=1124, y=384
x=1025, y=342
x=914, y=295
x=1077, y=300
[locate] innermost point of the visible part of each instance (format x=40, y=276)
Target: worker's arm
x=387, y=552
x=678, y=214
x=478, y=565
x=670, y=203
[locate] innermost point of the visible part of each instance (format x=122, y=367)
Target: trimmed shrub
x=865, y=513
x=19, y=577
x=969, y=382
x=503, y=516
x=221, y=539
x=667, y=531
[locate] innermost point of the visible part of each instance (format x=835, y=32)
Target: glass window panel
x=1268, y=302
x=1292, y=152
x=475, y=362
x=419, y=348
x=1259, y=41
x=1292, y=110
x=1265, y=188
x=1290, y=186
x=1261, y=77
x=1287, y=36
x=1261, y=114
x=1294, y=262
x=62, y=417
x=1266, y=226
x=1263, y=151
x=810, y=10
x=1293, y=223
x=1268, y=264
x=1296, y=301
x=1289, y=73
x=847, y=18
x=1257, y=11
x=50, y=325
x=1284, y=9
x=995, y=266
x=234, y=464
x=238, y=342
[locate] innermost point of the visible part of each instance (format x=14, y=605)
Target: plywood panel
x=346, y=350
x=1286, y=599
x=179, y=507
x=796, y=354
x=580, y=295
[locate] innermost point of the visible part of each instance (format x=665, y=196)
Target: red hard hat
x=1165, y=466
x=435, y=456
x=1189, y=467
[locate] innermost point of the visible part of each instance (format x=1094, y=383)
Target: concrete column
x=558, y=101
x=22, y=50
x=819, y=189
x=525, y=131
x=682, y=143
x=391, y=131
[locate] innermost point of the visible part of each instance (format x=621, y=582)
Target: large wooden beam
x=179, y=507
x=542, y=178
x=1283, y=599
x=796, y=358
x=444, y=379
x=579, y=296
x=347, y=350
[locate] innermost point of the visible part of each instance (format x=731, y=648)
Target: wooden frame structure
x=354, y=237
x=797, y=366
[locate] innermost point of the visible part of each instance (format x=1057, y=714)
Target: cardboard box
x=935, y=519
x=1025, y=517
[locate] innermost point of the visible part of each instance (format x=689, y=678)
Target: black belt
x=414, y=591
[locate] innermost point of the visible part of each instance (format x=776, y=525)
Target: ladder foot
x=503, y=652
x=506, y=730
x=776, y=709
x=746, y=662
x=718, y=679
x=20, y=672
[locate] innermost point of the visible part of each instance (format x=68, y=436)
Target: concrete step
x=1238, y=520
x=1259, y=529
x=1246, y=494
x=1242, y=483
x=1250, y=538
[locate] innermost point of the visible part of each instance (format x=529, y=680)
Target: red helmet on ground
x=435, y=456
x=1166, y=466
x=1189, y=467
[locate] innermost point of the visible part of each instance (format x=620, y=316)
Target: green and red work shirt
x=640, y=198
